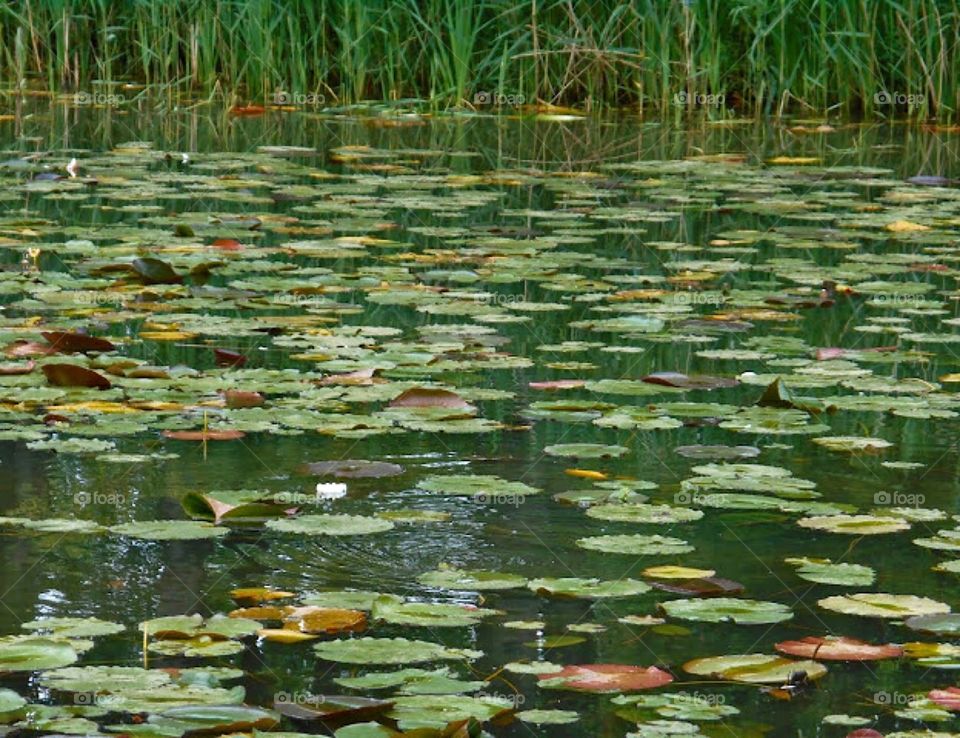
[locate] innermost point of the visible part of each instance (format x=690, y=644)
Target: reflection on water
x=117, y=578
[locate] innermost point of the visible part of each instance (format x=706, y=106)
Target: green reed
x=755, y=57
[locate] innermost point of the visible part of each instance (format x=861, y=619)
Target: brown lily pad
x=72, y=375
x=327, y=620
x=691, y=382
x=234, y=399
x=76, y=343
x=332, y=711
x=705, y=587
x=226, y=357
x=226, y=434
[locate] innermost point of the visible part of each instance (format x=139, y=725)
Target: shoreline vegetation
x=722, y=58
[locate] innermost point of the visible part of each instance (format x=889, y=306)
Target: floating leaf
x=331, y=525
x=389, y=651
x=837, y=648
x=585, y=451
x=587, y=588
x=858, y=525
x=882, y=605
x=35, y=654
x=728, y=610
x=72, y=375
x=169, y=530
x=754, y=668
x=470, y=580
x=76, y=343
x=823, y=571
x=636, y=545
x=605, y=678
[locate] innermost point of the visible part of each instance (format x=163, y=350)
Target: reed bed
x=756, y=57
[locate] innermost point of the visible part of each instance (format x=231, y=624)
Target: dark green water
x=128, y=581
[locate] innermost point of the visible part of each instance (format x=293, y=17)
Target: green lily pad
x=754, y=668
x=389, y=651
x=585, y=451
x=587, y=588
x=728, y=610
x=471, y=580
x=479, y=486
x=331, y=525
x=882, y=605
x=35, y=654
x=823, y=571
x=169, y=530
x=636, y=545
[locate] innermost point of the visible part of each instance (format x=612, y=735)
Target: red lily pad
x=684, y=381
x=13, y=370
x=606, y=678
x=558, y=384
x=226, y=357
x=948, y=699
x=76, y=343
x=204, y=435
x=71, y=375
x=840, y=648
x=247, y=110
x=865, y=733
x=226, y=244
x=20, y=349
x=430, y=397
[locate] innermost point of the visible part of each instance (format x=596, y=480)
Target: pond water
x=353, y=259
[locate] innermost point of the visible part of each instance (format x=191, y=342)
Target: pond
x=688, y=391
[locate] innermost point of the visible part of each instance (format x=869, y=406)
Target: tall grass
x=756, y=56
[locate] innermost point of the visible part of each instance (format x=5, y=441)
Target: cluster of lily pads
x=287, y=304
